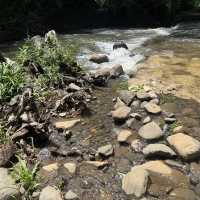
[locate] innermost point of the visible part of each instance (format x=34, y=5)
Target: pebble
x=106, y=150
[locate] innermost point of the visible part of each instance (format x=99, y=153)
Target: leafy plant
x=26, y=177
x=11, y=80
x=137, y=88
x=166, y=98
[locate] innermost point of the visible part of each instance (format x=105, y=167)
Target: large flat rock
x=186, y=146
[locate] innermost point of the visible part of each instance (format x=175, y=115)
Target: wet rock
x=51, y=167
x=8, y=189
x=44, y=154
x=195, y=173
x=152, y=108
x=6, y=153
x=121, y=114
x=170, y=120
x=97, y=164
x=116, y=71
x=143, y=96
x=160, y=185
x=161, y=150
x=136, y=116
x=70, y=195
x=67, y=124
x=135, y=182
x=126, y=96
x=71, y=167
x=50, y=193
x=119, y=103
x=183, y=194
x=186, y=146
x=135, y=104
x=150, y=131
x=147, y=120
x=118, y=45
x=106, y=150
x=99, y=58
x=124, y=136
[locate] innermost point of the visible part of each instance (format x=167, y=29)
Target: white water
x=102, y=40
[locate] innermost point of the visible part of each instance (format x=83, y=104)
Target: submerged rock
x=150, y=131
x=99, y=58
x=186, y=146
x=135, y=182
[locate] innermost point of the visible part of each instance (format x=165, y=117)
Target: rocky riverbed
x=138, y=140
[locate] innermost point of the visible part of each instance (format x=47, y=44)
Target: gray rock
x=8, y=189
x=121, y=114
x=152, y=108
x=142, y=105
x=136, y=116
x=106, y=150
x=126, y=96
x=135, y=182
x=160, y=150
x=130, y=123
x=116, y=71
x=50, y=193
x=135, y=104
x=74, y=87
x=44, y=154
x=150, y=131
x=143, y=96
x=70, y=195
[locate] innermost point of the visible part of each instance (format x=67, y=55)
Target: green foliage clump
x=26, y=177
x=50, y=57
x=137, y=88
x=11, y=80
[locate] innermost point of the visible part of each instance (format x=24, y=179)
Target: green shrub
x=49, y=57
x=26, y=177
x=11, y=80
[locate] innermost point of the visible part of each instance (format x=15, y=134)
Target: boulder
x=106, y=150
x=150, y=131
x=8, y=189
x=135, y=182
x=50, y=193
x=121, y=114
x=116, y=71
x=160, y=150
x=126, y=96
x=99, y=58
x=152, y=108
x=186, y=146
x=118, y=45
